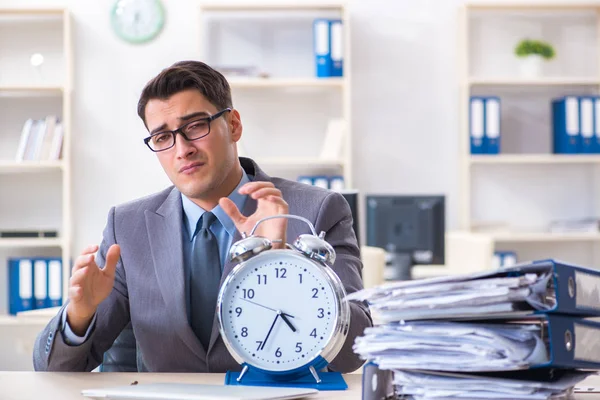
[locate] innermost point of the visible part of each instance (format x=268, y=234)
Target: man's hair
x=186, y=75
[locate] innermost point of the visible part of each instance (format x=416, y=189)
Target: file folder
x=565, y=126
x=40, y=283
x=337, y=47
x=492, y=125
x=586, y=114
x=596, y=145
x=54, y=283
x=20, y=281
x=476, y=125
x=322, y=47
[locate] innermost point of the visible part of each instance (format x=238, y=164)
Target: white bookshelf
x=290, y=108
x=526, y=186
x=40, y=191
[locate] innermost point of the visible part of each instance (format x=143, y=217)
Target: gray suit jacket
x=149, y=283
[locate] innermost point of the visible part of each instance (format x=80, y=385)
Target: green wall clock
x=137, y=21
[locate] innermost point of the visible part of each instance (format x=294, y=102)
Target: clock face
x=279, y=311
x=137, y=21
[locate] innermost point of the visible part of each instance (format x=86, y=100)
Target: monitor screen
x=413, y=226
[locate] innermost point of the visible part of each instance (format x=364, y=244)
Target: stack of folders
x=576, y=125
x=34, y=283
x=521, y=332
x=484, y=125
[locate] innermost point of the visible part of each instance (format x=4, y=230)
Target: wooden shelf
x=20, y=321
x=549, y=81
x=31, y=91
x=29, y=166
x=31, y=242
x=286, y=83
x=514, y=237
x=538, y=6
x=535, y=159
x=298, y=162
x=297, y=6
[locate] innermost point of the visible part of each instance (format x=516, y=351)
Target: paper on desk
x=451, y=297
x=453, y=346
x=424, y=385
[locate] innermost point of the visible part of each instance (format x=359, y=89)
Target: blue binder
x=572, y=290
x=596, y=140
x=40, y=283
x=477, y=125
x=565, y=125
x=20, y=281
x=54, y=298
x=336, y=36
x=492, y=125
x=571, y=342
x=322, y=47
x=586, y=124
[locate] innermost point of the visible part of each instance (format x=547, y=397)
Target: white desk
x=68, y=386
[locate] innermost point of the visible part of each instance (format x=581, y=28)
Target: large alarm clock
x=282, y=313
x=137, y=21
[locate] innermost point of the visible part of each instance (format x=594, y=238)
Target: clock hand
x=268, y=308
x=287, y=321
x=268, y=333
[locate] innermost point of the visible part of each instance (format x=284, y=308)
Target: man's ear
x=235, y=125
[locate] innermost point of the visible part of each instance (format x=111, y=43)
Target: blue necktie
x=205, y=279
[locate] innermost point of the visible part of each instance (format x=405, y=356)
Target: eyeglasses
x=193, y=130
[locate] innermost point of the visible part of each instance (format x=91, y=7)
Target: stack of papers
x=424, y=385
x=453, y=346
x=500, y=334
x=459, y=297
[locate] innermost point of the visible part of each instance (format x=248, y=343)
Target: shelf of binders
x=535, y=159
x=544, y=81
x=257, y=6
x=541, y=237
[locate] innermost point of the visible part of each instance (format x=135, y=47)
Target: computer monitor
x=351, y=197
x=410, y=228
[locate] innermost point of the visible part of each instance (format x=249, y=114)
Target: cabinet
x=515, y=195
x=285, y=108
x=35, y=82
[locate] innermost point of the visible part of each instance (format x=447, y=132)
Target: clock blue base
x=329, y=380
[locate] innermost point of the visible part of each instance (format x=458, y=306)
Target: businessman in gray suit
x=164, y=256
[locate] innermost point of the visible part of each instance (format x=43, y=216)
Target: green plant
x=528, y=47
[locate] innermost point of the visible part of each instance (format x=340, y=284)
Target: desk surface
x=68, y=386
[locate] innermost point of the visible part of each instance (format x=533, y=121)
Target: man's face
x=200, y=169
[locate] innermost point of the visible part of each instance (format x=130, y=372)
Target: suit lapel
x=166, y=246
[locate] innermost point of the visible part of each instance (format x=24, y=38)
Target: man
x=159, y=263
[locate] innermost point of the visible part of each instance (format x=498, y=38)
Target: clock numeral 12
x=280, y=273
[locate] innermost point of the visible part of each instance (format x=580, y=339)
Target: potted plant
x=532, y=54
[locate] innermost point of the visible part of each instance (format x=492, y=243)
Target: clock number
x=321, y=313
x=300, y=275
x=244, y=332
x=278, y=352
x=264, y=280
x=248, y=293
x=283, y=271
x=315, y=291
x=298, y=347
x=259, y=344
x=314, y=333
x=238, y=310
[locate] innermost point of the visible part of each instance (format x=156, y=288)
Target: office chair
x=124, y=354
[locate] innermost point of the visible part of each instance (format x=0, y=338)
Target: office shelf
x=515, y=237
x=546, y=81
x=31, y=243
x=298, y=161
x=535, y=159
x=29, y=166
x=286, y=83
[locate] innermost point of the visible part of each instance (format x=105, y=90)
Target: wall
x=399, y=147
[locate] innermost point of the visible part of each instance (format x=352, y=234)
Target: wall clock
x=137, y=21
